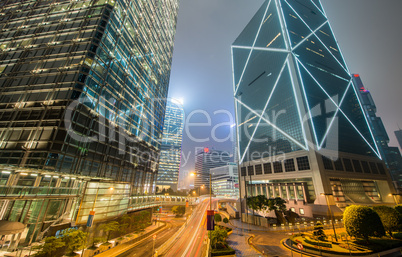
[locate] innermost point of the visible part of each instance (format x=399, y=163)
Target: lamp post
x=330, y=213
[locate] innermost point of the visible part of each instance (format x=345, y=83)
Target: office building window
x=303, y=163
x=267, y=168
x=250, y=170
x=338, y=165
x=366, y=168
x=290, y=165
x=374, y=168
x=348, y=165
x=327, y=163
x=301, y=211
x=357, y=166
x=278, y=167
x=243, y=171
x=258, y=169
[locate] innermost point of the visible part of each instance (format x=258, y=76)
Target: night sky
x=368, y=32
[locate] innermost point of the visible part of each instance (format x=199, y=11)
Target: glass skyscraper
x=82, y=100
x=205, y=160
x=300, y=124
x=169, y=161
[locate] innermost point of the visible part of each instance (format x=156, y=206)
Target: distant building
x=225, y=181
x=169, y=162
x=390, y=155
x=398, y=135
x=207, y=159
x=301, y=129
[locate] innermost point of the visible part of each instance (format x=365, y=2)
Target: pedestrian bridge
x=143, y=202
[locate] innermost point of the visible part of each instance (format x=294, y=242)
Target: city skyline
x=209, y=45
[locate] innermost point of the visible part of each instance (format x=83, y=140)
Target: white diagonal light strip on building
x=312, y=33
x=365, y=117
x=333, y=119
x=233, y=72
x=274, y=126
x=306, y=99
x=297, y=104
x=344, y=113
x=255, y=40
x=265, y=108
x=262, y=49
x=336, y=59
x=237, y=133
x=283, y=24
x=340, y=50
x=319, y=9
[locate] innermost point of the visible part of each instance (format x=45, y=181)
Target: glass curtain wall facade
x=169, y=162
x=295, y=99
x=83, y=88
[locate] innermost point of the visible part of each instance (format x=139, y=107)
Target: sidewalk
x=149, y=231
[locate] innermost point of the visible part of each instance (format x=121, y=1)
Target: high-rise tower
x=302, y=134
x=82, y=100
x=206, y=159
x=169, y=161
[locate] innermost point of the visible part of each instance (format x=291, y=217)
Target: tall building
x=169, y=162
x=225, y=181
x=398, y=135
x=302, y=133
x=390, y=155
x=82, y=101
x=206, y=159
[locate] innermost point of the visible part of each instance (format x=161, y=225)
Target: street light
x=330, y=213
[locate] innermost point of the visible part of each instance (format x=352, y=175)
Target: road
x=144, y=249
x=192, y=241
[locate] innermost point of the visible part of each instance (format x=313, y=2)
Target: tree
x=226, y=220
x=362, y=221
x=257, y=203
x=262, y=204
x=74, y=239
x=218, y=236
x=319, y=232
x=179, y=210
x=108, y=227
x=389, y=218
x=217, y=217
x=52, y=247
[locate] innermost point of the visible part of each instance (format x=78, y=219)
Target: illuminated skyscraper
x=83, y=88
x=206, y=159
x=302, y=133
x=169, y=162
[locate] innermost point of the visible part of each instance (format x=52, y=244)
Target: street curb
x=294, y=250
x=250, y=243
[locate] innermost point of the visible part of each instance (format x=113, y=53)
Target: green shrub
x=362, y=221
x=389, y=218
x=223, y=252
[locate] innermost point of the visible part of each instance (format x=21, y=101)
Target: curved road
x=192, y=241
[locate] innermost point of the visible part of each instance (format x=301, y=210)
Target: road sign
x=300, y=246
x=154, y=237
